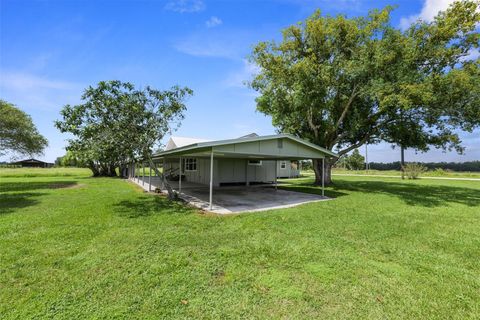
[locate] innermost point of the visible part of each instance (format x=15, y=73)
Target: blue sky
x=51, y=50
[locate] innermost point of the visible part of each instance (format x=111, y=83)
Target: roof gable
x=178, y=142
x=222, y=144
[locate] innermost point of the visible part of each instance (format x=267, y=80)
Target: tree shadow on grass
x=18, y=195
x=311, y=188
x=150, y=205
x=28, y=186
x=411, y=193
x=415, y=194
x=10, y=203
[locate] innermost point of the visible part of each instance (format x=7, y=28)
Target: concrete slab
x=227, y=200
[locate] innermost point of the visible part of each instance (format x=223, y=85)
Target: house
x=194, y=167
x=33, y=163
x=230, y=172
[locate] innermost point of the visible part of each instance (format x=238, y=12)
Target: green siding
x=271, y=147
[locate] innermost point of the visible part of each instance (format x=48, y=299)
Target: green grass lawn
x=430, y=173
x=80, y=247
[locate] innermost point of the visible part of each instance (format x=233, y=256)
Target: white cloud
x=243, y=76
x=472, y=55
x=24, y=81
x=429, y=10
x=185, y=6
x=229, y=44
x=32, y=92
x=213, y=22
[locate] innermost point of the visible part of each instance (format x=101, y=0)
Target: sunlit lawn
x=427, y=174
x=79, y=247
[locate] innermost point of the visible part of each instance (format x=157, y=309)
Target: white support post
x=143, y=173
x=211, y=180
x=164, y=179
x=149, y=178
x=323, y=177
x=180, y=176
x=276, y=174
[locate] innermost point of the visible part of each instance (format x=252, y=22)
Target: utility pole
x=402, y=161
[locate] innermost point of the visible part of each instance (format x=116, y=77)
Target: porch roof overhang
x=261, y=148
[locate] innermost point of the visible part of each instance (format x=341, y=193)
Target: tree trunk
x=94, y=169
x=317, y=167
x=402, y=156
x=112, y=172
x=123, y=170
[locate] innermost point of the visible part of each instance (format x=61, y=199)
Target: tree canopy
x=118, y=123
x=355, y=161
x=342, y=82
x=18, y=134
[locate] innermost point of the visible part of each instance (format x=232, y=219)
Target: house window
x=283, y=165
x=254, y=162
x=190, y=164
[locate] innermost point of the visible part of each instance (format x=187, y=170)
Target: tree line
x=471, y=166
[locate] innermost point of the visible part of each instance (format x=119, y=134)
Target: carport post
x=211, y=178
x=143, y=173
x=276, y=173
x=164, y=177
x=149, y=178
x=180, y=175
x=323, y=176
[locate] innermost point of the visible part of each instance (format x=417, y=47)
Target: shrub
x=413, y=170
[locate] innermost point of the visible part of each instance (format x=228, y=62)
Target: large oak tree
x=18, y=134
x=118, y=123
x=342, y=82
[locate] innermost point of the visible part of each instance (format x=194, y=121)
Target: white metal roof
x=210, y=144
x=178, y=142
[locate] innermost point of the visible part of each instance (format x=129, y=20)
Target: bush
x=468, y=166
x=355, y=161
x=413, y=170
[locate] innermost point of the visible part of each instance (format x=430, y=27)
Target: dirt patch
x=65, y=185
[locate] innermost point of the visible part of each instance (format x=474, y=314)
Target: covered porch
x=204, y=186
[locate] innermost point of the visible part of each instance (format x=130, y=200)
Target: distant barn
x=33, y=163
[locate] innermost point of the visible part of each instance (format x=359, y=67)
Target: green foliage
x=18, y=134
x=118, y=123
x=70, y=160
x=413, y=170
x=355, y=161
x=454, y=166
x=85, y=248
x=341, y=82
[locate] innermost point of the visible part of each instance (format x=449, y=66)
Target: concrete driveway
x=236, y=199
x=246, y=199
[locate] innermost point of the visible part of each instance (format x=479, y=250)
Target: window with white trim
x=254, y=162
x=283, y=165
x=190, y=164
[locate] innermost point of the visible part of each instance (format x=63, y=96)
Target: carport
x=205, y=188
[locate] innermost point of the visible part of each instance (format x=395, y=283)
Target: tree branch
x=347, y=107
x=364, y=139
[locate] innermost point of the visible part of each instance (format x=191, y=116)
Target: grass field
x=79, y=247
x=430, y=173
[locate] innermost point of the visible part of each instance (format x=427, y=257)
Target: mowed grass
x=427, y=174
x=80, y=247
